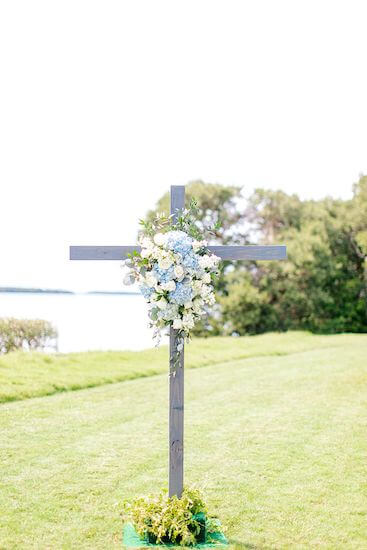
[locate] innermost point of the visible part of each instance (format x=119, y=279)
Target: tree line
x=322, y=287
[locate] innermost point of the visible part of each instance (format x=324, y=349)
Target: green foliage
x=160, y=519
x=358, y=215
x=322, y=287
x=31, y=334
x=216, y=207
x=190, y=220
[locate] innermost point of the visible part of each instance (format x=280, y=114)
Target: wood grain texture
x=248, y=252
x=177, y=200
x=176, y=386
x=176, y=419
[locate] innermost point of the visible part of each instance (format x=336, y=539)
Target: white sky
x=105, y=104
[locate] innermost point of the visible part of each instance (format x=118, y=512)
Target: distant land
x=110, y=292
x=35, y=290
x=10, y=289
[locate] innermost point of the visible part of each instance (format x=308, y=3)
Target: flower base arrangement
x=171, y=521
x=174, y=271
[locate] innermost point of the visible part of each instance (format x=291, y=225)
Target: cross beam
x=249, y=252
x=176, y=381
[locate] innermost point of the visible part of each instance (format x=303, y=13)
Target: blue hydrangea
x=164, y=275
x=191, y=261
x=146, y=291
x=182, y=294
x=179, y=242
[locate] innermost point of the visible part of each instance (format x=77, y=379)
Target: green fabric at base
x=131, y=539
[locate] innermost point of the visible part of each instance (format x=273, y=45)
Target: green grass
x=278, y=444
x=24, y=375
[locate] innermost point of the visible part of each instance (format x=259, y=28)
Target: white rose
x=165, y=263
x=170, y=286
x=146, y=242
x=179, y=271
x=196, y=245
x=207, y=278
x=145, y=252
x=150, y=279
x=177, y=324
x=160, y=239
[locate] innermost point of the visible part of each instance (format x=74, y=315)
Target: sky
x=105, y=104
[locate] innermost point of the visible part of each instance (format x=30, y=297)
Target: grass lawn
x=275, y=436
x=24, y=375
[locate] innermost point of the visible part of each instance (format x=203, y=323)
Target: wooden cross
x=176, y=383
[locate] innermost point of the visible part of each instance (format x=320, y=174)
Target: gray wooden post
x=176, y=385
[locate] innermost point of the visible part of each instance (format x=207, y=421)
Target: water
x=86, y=321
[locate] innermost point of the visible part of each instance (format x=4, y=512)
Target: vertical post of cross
x=176, y=385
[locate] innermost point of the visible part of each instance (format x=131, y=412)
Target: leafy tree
x=322, y=286
x=217, y=203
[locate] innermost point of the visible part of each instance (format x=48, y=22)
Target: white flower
x=187, y=305
x=170, y=286
x=205, y=290
x=196, y=286
x=207, y=278
x=165, y=263
x=188, y=321
x=205, y=261
x=150, y=279
x=211, y=299
x=179, y=271
x=196, y=245
x=146, y=242
x=215, y=260
x=177, y=324
x=162, y=303
x=146, y=252
x=160, y=239
x=197, y=309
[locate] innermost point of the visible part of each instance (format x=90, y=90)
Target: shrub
x=162, y=520
x=21, y=334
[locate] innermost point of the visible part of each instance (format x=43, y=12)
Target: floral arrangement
x=175, y=271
